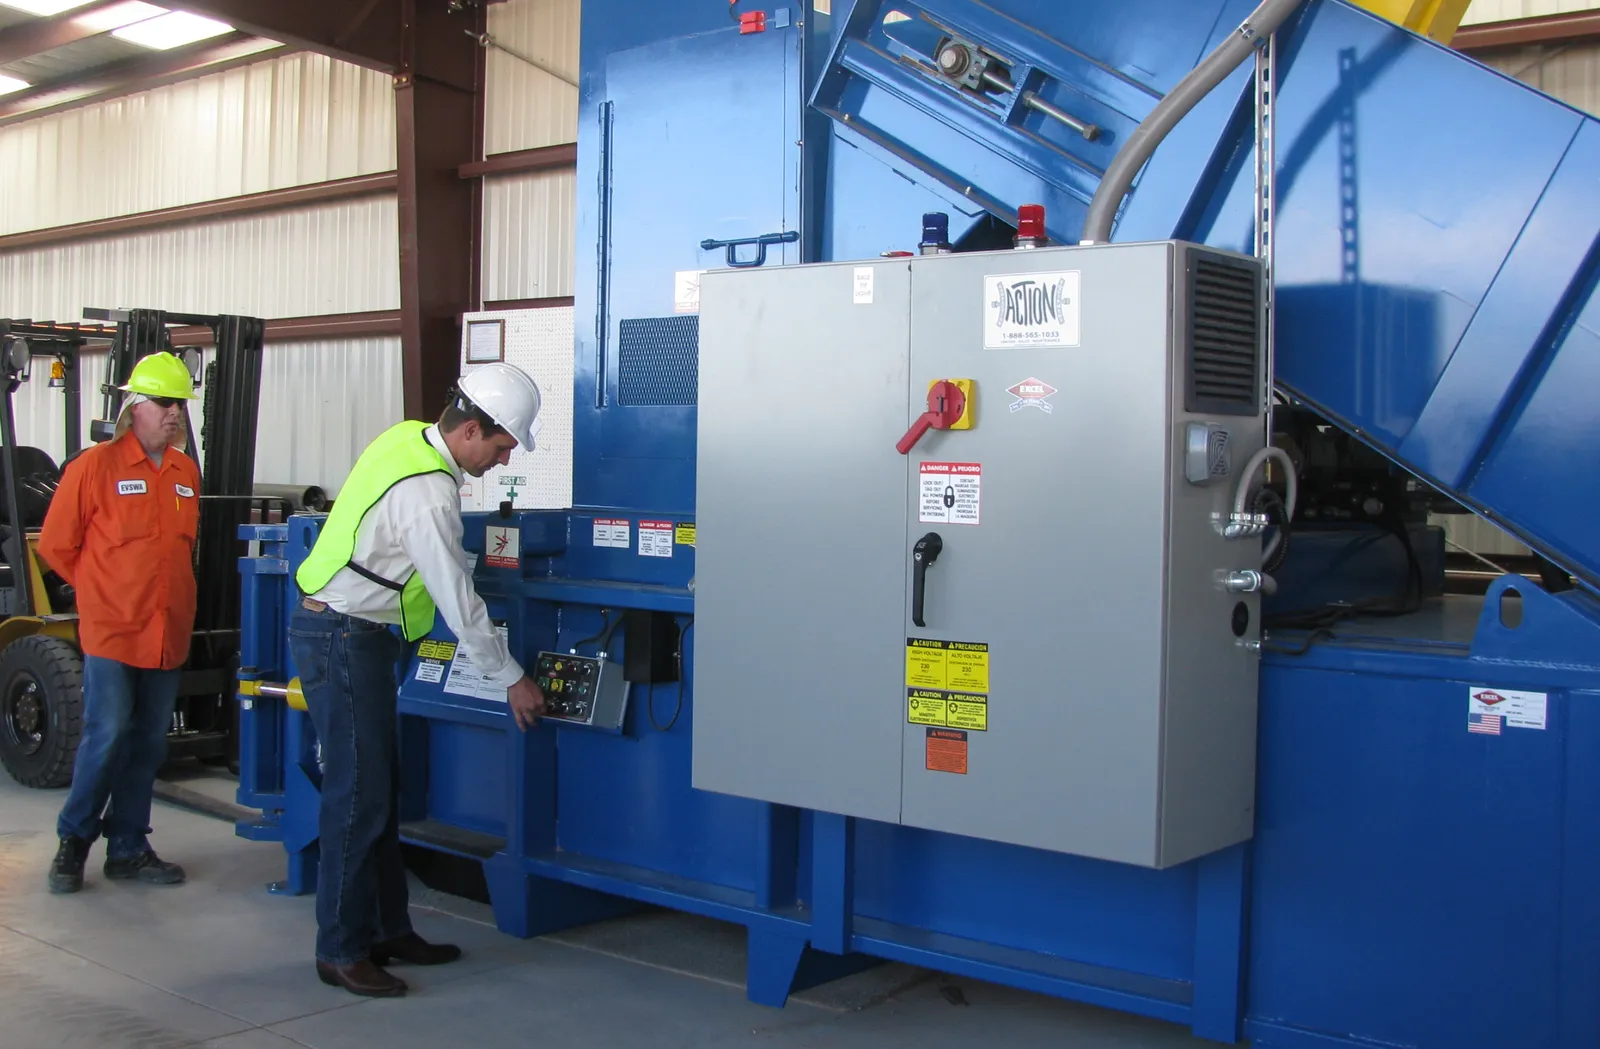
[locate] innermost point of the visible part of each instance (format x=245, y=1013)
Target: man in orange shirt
x=121, y=530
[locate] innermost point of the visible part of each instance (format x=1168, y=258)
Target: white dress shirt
x=418, y=523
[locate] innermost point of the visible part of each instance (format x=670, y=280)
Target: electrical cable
x=607, y=628
x=1319, y=622
x=650, y=700
x=1270, y=503
x=1174, y=105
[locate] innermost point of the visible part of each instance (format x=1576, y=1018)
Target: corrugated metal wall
x=278, y=123
x=321, y=403
x=281, y=122
x=526, y=106
x=341, y=257
x=1504, y=10
x=528, y=225
x=528, y=219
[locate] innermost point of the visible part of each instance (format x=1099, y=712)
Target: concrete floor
x=220, y=962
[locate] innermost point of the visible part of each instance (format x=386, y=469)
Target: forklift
x=41, y=665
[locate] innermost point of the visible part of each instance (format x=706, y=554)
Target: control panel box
x=582, y=690
x=965, y=555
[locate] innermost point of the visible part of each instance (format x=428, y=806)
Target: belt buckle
x=312, y=606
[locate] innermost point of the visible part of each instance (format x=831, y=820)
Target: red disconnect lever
x=946, y=402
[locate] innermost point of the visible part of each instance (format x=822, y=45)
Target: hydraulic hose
x=1216, y=68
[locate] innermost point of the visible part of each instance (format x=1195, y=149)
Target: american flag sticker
x=1488, y=724
x=1491, y=709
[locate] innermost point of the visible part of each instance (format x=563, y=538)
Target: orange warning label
x=947, y=751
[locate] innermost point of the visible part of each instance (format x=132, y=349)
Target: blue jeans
x=347, y=669
x=127, y=713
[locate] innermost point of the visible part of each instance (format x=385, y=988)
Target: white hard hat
x=509, y=396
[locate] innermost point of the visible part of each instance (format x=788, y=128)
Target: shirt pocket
x=188, y=512
x=134, y=516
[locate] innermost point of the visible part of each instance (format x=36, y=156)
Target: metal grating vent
x=1224, y=337
x=659, y=361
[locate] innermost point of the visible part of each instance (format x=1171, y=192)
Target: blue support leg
x=781, y=963
x=1219, y=944
x=525, y=905
x=300, y=876
x=772, y=964
x=832, y=881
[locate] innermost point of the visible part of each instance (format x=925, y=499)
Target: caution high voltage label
x=956, y=666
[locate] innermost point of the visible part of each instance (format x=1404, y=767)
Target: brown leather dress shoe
x=363, y=978
x=414, y=949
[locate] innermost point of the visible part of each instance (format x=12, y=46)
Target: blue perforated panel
x=658, y=361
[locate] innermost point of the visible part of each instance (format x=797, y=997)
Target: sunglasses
x=165, y=402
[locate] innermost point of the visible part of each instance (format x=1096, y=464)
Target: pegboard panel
x=539, y=342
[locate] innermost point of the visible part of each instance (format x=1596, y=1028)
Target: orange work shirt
x=121, y=530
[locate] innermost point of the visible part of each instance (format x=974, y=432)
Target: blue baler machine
x=917, y=600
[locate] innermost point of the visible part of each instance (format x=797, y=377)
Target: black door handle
x=924, y=553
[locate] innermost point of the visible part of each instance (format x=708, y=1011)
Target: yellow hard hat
x=161, y=375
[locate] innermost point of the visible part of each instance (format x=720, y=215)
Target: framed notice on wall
x=486, y=341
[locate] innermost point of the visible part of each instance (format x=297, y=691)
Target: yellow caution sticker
x=927, y=706
x=445, y=650
x=956, y=666
x=684, y=534
x=968, y=712
x=967, y=667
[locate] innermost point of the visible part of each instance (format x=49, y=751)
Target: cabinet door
x=800, y=554
x=702, y=147
x=1035, y=718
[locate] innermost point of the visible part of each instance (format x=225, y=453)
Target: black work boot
x=66, y=870
x=414, y=949
x=145, y=867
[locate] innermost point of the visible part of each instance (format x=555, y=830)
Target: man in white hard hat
x=389, y=556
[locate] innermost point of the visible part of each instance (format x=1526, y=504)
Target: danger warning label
x=947, y=751
x=950, y=493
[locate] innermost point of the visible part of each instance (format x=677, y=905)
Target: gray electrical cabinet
x=1024, y=623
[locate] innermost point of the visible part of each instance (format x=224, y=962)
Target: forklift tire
x=41, y=710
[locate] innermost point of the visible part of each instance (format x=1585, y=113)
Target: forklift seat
x=37, y=477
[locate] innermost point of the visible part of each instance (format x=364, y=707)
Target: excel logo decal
x=1032, y=393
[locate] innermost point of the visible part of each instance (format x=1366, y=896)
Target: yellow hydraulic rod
x=290, y=693
x=1434, y=19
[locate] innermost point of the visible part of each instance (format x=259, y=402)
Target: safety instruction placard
x=956, y=666
x=950, y=493
x=466, y=680
x=927, y=706
x=433, y=656
x=613, y=532
x=684, y=534
x=502, y=547
x=655, y=538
